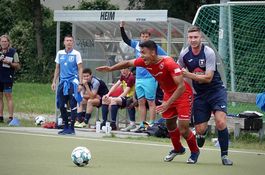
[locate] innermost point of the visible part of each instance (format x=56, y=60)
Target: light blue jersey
x=142, y=73
x=68, y=64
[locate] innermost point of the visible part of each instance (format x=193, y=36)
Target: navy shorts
x=206, y=103
x=64, y=100
x=6, y=87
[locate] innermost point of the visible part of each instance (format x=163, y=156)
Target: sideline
x=122, y=142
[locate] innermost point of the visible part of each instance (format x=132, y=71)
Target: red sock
x=175, y=139
x=191, y=141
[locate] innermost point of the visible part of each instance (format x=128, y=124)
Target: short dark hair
x=149, y=44
x=87, y=71
x=194, y=29
x=145, y=31
x=68, y=36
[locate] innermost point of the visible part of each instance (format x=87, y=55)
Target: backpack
x=158, y=129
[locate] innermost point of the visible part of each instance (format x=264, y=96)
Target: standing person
x=146, y=84
x=69, y=70
x=211, y=95
x=127, y=82
x=177, y=100
x=9, y=62
x=93, y=91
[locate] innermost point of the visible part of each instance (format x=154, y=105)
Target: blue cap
x=14, y=122
x=260, y=101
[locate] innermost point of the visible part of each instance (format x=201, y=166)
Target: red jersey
x=163, y=71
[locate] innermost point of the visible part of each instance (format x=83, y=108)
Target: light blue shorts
x=146, y=88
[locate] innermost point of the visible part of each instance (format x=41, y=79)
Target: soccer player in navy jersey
x=69, y=69
x=145, y=85
x=177, y=100
x=199, y=64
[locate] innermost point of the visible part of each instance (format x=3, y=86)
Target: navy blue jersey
x=199, y=64
x=98, y=86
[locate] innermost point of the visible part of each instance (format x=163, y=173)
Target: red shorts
x=181, y=108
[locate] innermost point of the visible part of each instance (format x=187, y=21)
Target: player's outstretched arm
x=118, y=66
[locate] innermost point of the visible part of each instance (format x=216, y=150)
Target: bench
x=237, y=124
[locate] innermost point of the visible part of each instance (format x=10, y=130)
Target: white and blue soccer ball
x=81, y=156
x=39, y=120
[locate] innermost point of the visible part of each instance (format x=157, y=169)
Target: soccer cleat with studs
x=193, y=158
x=173, y=153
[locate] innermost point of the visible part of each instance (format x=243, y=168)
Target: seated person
x=127, y=81
x=93, y=91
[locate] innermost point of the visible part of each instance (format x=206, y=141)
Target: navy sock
x=73, y=116
x=223, y=138
x=87, y=117
x=113, y=112
x=79, y=116
x=105, y=112
x=131, y=113
x=64, y=117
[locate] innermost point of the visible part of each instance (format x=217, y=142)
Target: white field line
x=123, y=142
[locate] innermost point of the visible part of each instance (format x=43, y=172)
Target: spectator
x=9, y=62
x=127, y=81
x=69, y=69
x=146, y=85
x=93, y=91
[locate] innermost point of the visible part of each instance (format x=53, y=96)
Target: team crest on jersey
x=71, y=58
x=161, y=66
x=202, y=63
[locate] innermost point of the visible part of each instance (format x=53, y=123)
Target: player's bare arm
x=80, y=74
x=206, y=78
x=55, y=76
x=118, y=66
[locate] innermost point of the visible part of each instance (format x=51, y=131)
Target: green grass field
x=39, y=154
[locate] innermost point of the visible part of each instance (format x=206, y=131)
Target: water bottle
x=98, y=126
x=59, y=121
x=108, y=128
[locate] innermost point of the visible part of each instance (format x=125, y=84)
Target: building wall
x=59, y=4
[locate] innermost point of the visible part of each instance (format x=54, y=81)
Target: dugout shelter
x=97, y=35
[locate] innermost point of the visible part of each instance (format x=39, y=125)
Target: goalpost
x=237, y=29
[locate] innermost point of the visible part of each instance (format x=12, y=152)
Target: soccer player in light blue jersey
x=146, y=84
x=69, y=70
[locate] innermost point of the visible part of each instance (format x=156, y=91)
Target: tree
x=182, y=9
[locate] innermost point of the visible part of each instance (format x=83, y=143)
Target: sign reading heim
x=110, y=15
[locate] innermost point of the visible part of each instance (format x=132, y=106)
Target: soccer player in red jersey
x=177, y=101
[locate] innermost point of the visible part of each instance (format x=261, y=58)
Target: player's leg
x=150, y=94
x=1, y=103
x=141, y=104
x=219, y=101
x=184, y=114
x=73, y=107
x=79, y=119
x=105, y=111
x=174, y=134
x=202, y=114
x=61, y=104
x=9, y=100
x=190, y=138
x=89, y=109
x=115, y=104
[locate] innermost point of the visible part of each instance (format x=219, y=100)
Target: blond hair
x=8, y=39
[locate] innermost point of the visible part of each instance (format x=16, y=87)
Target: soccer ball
x=39, y=120
x=81, y=156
